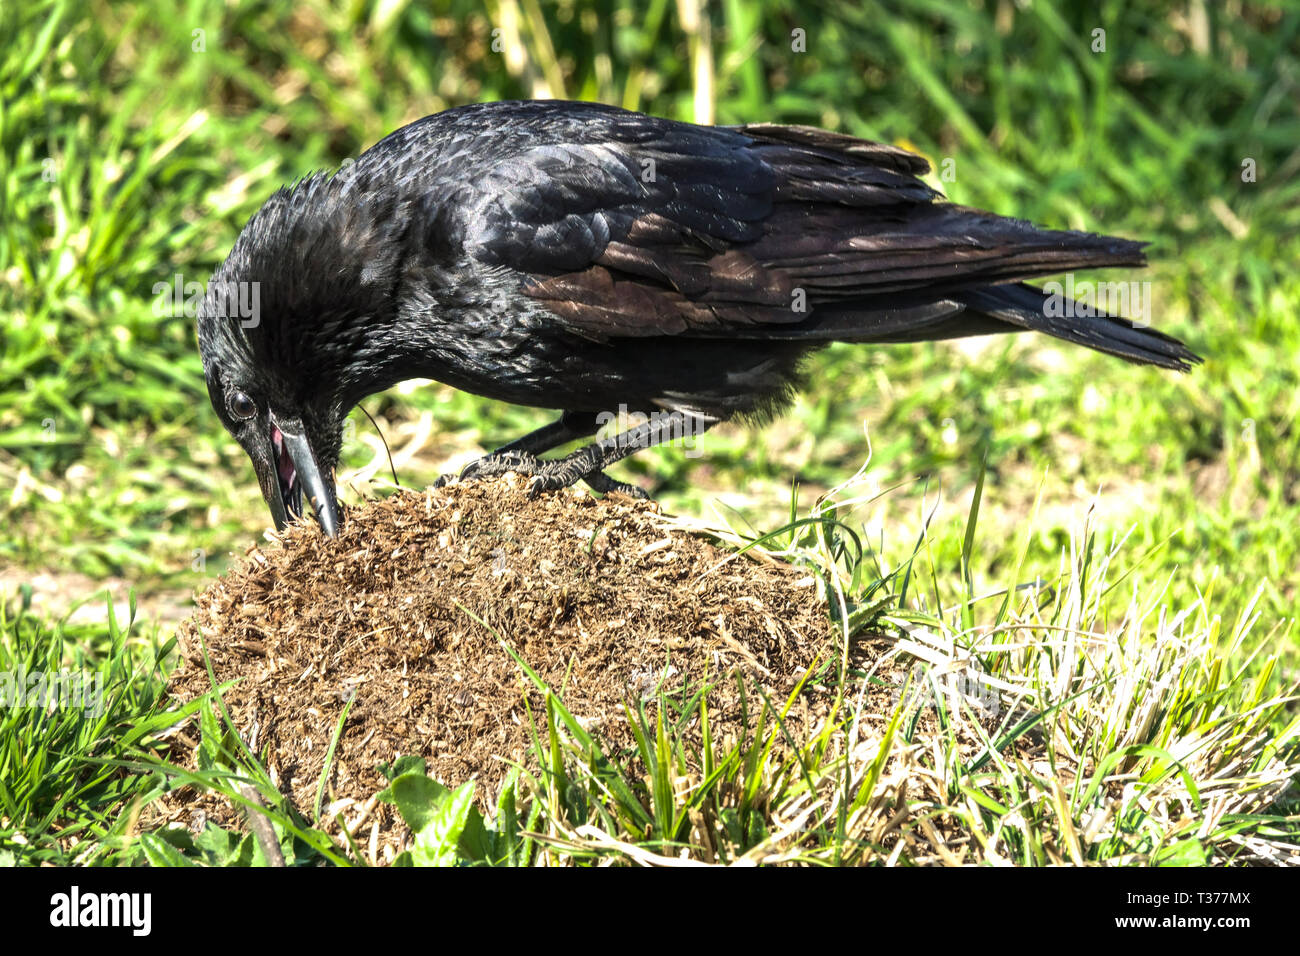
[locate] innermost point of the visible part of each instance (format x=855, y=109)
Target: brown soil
x=605, y=599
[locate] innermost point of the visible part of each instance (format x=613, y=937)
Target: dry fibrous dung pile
x=411, y=611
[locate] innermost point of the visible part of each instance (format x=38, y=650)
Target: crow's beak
x=287, y=470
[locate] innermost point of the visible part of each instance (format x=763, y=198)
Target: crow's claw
x=602, y=483
x=545, y=481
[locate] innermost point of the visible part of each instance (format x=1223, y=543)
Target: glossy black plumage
x=580, y=257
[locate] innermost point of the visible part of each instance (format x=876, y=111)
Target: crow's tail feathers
x=1051, y=312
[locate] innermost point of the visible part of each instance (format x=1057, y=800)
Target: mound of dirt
x=410, y=610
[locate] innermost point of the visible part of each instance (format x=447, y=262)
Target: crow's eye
x=241, y=406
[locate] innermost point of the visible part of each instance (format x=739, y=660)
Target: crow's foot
x=489, y=466
x=498, y=463
x=545, y=474
x=564, y=472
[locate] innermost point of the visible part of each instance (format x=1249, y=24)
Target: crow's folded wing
x=650, y=227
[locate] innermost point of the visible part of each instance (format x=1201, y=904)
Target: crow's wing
x=627, y=225
x=639, y=226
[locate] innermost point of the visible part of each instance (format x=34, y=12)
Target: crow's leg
x=570, y=426
x=589, y=463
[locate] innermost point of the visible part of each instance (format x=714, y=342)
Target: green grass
x=133, y=149
x=78, y=731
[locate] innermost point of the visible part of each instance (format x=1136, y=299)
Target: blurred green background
x=137, y=138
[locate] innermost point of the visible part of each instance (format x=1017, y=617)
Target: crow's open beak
x=287, y=470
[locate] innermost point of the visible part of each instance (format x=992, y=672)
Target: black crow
x=585, y=258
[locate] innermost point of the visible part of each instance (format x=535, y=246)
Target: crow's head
x=290, y=331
